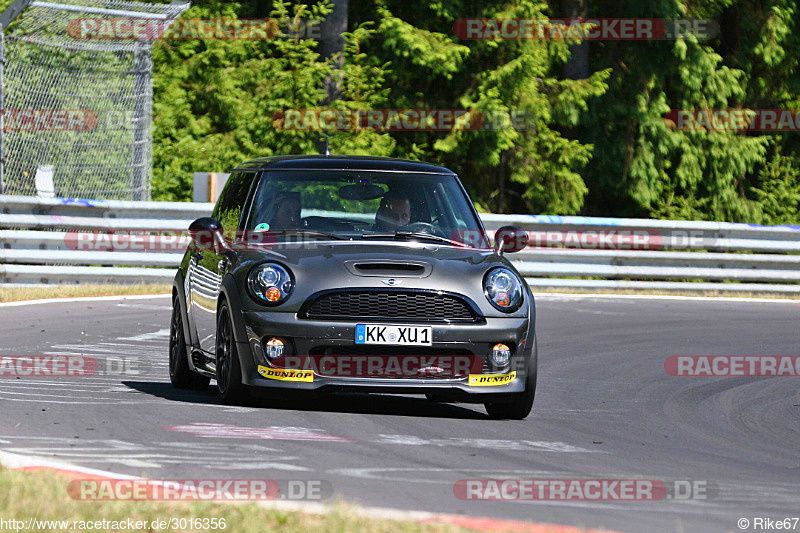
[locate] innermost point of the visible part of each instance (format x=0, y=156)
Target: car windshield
x=365, y=205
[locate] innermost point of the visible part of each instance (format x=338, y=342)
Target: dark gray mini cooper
x=320, y=274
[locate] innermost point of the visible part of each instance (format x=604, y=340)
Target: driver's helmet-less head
x=286, y=211
x=394, y=211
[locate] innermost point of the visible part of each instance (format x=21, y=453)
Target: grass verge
x=36, y=292
x=43, y=495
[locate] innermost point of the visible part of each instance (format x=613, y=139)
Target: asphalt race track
x=605, y=408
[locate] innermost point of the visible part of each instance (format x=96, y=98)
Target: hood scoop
x=384, y=268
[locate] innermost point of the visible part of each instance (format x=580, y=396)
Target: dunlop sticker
x=485, y=380
x=286, y=375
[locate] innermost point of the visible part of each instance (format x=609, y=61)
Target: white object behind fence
x=44, y=182
x=207, y=186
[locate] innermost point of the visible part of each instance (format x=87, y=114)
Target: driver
x=395, y=211
x=287, y=213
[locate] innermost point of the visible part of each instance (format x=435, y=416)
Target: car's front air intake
x=403, y=305
x=390, y=269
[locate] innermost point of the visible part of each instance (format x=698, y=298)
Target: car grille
x=407, y=306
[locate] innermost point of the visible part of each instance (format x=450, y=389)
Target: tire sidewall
x=233, y=390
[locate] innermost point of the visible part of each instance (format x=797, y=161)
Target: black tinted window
x=232, y=200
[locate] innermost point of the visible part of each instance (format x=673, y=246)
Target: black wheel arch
x=177, y=290
x=530, y=352
x=229, y=293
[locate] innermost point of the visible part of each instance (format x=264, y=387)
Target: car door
x=207, y=266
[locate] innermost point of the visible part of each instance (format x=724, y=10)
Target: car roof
x=340, y=162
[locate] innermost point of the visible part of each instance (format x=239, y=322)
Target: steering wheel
x=421, y=227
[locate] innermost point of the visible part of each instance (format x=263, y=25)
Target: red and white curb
x=14, y=461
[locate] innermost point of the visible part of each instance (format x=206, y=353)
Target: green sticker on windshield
x=262, y=227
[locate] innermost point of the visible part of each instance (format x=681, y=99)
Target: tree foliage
x=215, y=99
x=644, y=168
x=598, y=145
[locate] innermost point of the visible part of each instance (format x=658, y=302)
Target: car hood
x=321, y=266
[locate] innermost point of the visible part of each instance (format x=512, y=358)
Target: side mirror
x=206, y=233
x=510, y=239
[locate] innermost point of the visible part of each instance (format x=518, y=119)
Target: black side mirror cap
x=206, y=233
x=510, y=239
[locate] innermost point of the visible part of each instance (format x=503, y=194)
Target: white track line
x=724, y=299
x=83, y=299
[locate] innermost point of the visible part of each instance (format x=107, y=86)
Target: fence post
x=141, y=121
x=2, y=108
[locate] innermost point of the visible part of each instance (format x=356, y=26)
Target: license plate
x=397, y=335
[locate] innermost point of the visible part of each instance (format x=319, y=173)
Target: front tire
x=180, y=374
x=229, y=369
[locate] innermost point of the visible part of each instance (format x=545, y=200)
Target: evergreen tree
x=215, y=100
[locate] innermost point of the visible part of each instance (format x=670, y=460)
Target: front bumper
x=313, y=336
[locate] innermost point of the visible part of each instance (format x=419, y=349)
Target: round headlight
x=269, y=276
x=503, y=289
x=270, y=284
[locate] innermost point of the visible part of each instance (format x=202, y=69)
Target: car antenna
x=327, y=150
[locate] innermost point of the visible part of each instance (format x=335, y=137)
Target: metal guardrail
x=669, y=256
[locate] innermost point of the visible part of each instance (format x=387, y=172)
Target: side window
x=232, y=200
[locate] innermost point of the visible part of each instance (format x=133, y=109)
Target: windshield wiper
x=309, y=233
x=412, y=235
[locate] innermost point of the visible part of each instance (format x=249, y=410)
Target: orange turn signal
x=273, y=294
